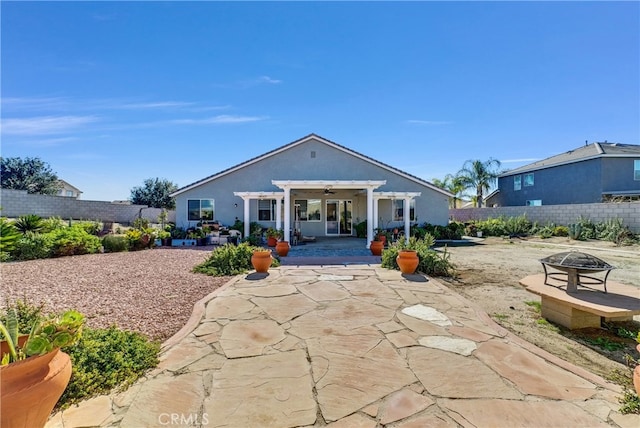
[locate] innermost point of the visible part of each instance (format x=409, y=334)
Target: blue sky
x=112, y=93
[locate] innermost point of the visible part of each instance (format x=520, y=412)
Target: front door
x=338, y=217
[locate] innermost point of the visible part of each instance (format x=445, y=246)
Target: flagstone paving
x=351, y=346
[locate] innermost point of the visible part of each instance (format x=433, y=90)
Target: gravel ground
x=151, y=291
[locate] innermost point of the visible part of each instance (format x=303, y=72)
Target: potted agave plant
x=33, y=371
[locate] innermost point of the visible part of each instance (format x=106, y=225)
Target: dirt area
x=488, y=274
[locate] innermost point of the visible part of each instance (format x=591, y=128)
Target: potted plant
x=272, y=236
x=33, y=371
x=261, y=260
x=376, y=246
x=282, y=248
x=165, y=238
x=407, y=261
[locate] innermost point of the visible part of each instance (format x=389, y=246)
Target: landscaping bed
x=149, y=291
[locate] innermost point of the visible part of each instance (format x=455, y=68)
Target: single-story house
x=593, y=173
x=313, y=187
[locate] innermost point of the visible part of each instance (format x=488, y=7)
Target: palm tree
x=479, y=176
x=452, y=184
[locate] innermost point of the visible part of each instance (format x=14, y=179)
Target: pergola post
x=370, y=215
x=406, y=210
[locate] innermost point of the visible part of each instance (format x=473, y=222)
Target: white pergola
x=365, y=185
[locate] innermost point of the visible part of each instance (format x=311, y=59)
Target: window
x=267, y=210
x=636, y=169
x=534, y=203
x=200, y=209
x=528, y=179
x=308, y=209
x=398, y=210
x=517, y=182
x=69, y=193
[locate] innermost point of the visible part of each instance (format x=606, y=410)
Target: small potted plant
x=272, y=236
x=33, y=371
x=376, y=246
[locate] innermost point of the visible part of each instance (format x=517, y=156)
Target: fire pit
x=574, y=267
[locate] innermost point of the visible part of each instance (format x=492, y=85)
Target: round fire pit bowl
x=574, y=267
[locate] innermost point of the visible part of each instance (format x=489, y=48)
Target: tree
x=155, y=193
x=452, y=184
x=30, y=174
x=480, y=176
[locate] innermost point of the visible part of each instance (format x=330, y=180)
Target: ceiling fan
x=328, y=191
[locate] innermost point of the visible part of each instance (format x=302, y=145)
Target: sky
x=112, y=93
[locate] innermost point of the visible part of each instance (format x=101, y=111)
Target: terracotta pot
x=376, y=247
x=261, y=261
x=407, y=261
x=282, y=248
x=29, y=389
x=636, y=375
x=271, y=242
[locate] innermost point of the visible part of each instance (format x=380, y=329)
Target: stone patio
x=351, y=346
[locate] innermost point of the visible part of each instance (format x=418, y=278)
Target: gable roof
x=587, y=152
x=301, y=141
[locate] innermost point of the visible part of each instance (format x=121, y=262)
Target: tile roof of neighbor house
x=587, y=152
x=299, y=141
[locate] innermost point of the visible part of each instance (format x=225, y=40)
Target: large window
x=398, y=210
x=528, y=179
x=517, y=182
x=267, y=210
x=308, y=209
x=636, y=169
x=200, y=209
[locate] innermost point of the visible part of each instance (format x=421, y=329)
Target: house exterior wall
x=310, y=160
x=575, y=183
x=617, y=175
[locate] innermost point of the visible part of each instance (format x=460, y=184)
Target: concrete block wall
x=15, y=203
x=629, y=212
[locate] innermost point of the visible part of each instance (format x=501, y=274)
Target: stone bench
x=584, y=307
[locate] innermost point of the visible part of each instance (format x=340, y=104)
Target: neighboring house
x=68, y=190
x=594, y=173
x=314, y=187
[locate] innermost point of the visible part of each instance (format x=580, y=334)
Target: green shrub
x=115, y=243
x=588, y=228
x=453, y=230
x=141, y=223
x=561, y=231
x=29, y=223
x=74, y=240
x=491, y=227
x=229, y=260
x=431, y=262
x=27, y=314
x=33, y=246
x=614, y=230
x=9, y=236
x=575, y=231
x=105, y=359
x=52, y=223
x=516, y=226
x=139, y=239
x=361, y=229
x=91, y=227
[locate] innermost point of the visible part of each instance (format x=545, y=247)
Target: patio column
x=287, y=213
x=374, y=224
x=370, y=215
x=406, y=207
x=279, y=215
x=247, y=225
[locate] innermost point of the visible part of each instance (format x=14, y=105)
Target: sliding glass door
x=338, y=217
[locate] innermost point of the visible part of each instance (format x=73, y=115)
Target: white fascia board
x=333, y=184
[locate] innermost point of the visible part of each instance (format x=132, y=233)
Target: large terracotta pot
x=261, y=261
x=636, y=375
x=407, y=261
x=271, y=242
x=29, y=389
x=282, y=248
x=376, y=247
